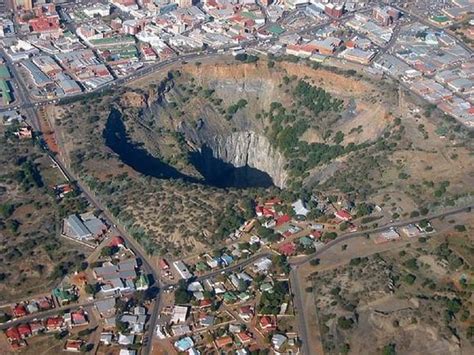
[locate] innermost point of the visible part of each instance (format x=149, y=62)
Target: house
x=32, y=307
x=117, y=242
x=195, y=287
x=19, y=311
x=36, y=327
x=79, y=318
x=182, y=270
x=411, y=231
x=13, y=334
x=282, y=220
x=226, y=260
x=106, y=338
x=287, y=248
x=65, y=294
x=223, y=341
x=54, y=323
x=180, y=314
x=306, y=242
x=266, y=287
x=299, y=207
x=229, y=297
x=212, y=262
x=262, y=265
x=123, y=270
x=24, y=330
x=387, y=235
x=24, y=133
x=244, y=337
x=180, y=329
x=106, y=307
x=164, y=264
x=248, y=226
x=126, y=339
x=267, y=323
x=206, y=320
x=73, y=345
x=343, y=215
x=205, y=303
x=44, y=303
x=139, y=311
x=246, y=313
x=278, y=341
x=84, y=227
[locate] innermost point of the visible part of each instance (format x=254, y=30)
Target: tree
x=389, y=349
x=460, y=227
x=409, y=279
x=121, y=327
x=314, y=262
x=182, y=296
x=345, y=323
x=86, y=347
x=92, y=289
x=109, y=250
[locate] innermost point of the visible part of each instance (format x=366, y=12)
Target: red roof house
x=205, y=303
x=45, y=24
x=272, y=202
x=343, y=215
x=24, y=330
x=73, y=345
x=223, y=341
x=267, y=323
x=164, y=264
x=117, y=241
x=19, y=311
x=282, y=220
x=244, y=337
x=54, y=323
x=44, y=303
x=79, y=318
x=287, y=248
x=13, y=334
x=268, y=212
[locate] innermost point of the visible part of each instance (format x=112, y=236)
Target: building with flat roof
x=182, y=270
x=83, y=227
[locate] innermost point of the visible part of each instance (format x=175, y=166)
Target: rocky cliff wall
x=251, y=149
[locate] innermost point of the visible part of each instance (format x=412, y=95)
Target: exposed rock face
x=251, y=149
